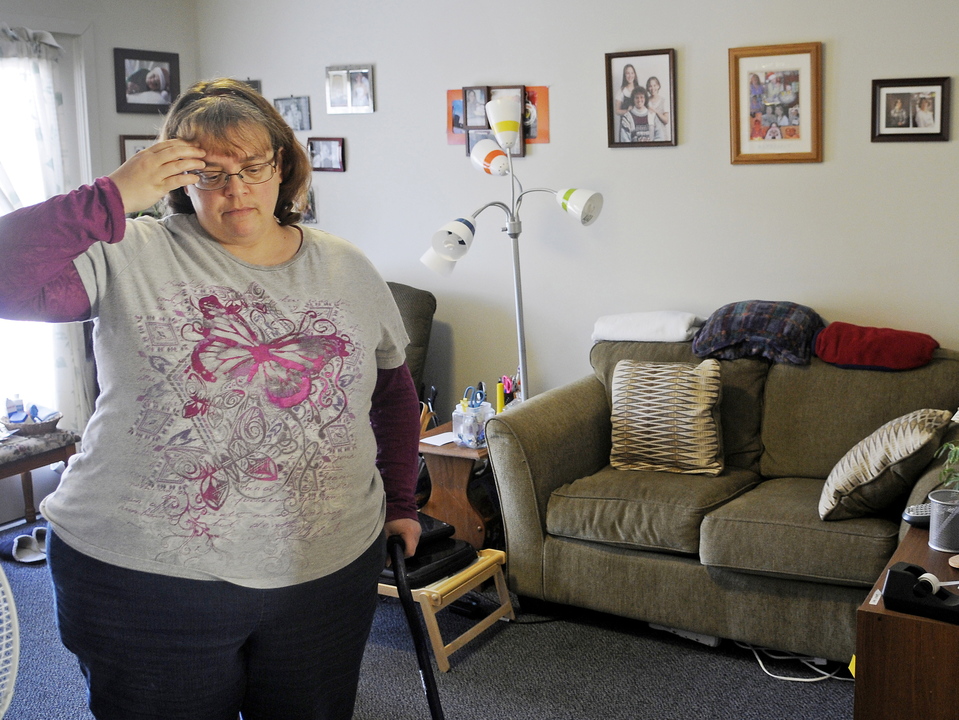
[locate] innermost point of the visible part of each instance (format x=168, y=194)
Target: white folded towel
x=655, y=326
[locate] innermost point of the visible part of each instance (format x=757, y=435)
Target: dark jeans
x=165, y=648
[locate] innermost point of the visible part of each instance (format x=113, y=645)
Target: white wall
x=867, y=236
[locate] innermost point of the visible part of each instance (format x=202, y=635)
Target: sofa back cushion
x=814, y=414
x=742, y=391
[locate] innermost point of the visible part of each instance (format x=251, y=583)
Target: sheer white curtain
x=44, y=364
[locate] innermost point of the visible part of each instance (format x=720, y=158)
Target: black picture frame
x=130, y=145
x=326, y=154
x=911, y=109
x=475, y=98
x=647, y=65
x=145, y=81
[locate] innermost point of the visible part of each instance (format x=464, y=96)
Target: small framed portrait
x=519, y=92
x=326, y=154
x=349, y=89
x=295, y=110
x=308, y=211
x=474, y=136
x=475, y=99
x=146, y=82
x=910, y=109
x=130, y=145
x=255, y=84
x=775, y=103
x=641, y=98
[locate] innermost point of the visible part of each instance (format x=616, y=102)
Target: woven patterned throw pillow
x=666, y=417
x=884, y=466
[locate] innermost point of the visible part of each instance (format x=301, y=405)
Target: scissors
x=474, y=396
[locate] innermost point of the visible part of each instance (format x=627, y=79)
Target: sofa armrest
x=543, y=443
x=929, y=480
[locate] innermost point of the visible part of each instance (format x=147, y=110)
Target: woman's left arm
x=394, y=417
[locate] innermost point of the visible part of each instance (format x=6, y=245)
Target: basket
x=32, y=428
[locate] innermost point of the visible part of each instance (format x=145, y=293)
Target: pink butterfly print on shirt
x=284, y=366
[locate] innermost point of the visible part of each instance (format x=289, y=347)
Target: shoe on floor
x=22, y=549
x=40, y=535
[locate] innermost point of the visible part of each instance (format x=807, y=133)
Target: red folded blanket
x=856, y=346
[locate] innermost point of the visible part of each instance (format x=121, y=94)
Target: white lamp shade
x=490, y=158
x=436, y=263
x=453, y=240
x=505, y=118
x=584, y=205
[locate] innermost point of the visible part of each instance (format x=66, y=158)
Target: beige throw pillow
x=884, y=466
x=666, y=417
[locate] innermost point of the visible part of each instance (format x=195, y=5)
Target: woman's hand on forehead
x=151, y=173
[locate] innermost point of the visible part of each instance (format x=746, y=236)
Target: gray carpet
x=574, y=666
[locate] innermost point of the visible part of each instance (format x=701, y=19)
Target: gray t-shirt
x=231, y=439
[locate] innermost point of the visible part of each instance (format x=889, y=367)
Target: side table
x=21, y=454
x=907, y=666
x=450, y=467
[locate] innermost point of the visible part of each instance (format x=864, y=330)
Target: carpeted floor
x=578, y=666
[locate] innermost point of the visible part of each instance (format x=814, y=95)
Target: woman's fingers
x=153, y=172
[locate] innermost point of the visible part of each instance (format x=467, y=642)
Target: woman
x=659, y=105
x=627, y=85
x=216, y=544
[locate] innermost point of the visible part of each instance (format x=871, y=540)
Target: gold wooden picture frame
x=775, y=103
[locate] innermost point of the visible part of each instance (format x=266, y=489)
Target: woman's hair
x=228, y=116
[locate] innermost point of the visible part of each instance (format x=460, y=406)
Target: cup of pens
x=469, y=419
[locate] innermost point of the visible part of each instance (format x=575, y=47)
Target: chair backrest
x=416, y=308
x=9, y=644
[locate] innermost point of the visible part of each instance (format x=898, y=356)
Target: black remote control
x=918, y=515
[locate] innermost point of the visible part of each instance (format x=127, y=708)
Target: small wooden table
x=907, y=666
x=451, y=467
x=22, y=454
x=437, y=596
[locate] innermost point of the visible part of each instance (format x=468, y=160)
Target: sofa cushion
x=883, y=467
x=665, y=417
x=742, y=391
x=640, y=509
x=813, y=414
x=775, y=529
x=779, y=331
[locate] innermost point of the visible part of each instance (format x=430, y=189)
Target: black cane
x=396, y=547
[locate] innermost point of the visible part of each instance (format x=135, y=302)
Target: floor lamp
x=452, y=241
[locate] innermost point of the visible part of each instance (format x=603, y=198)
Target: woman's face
x=239, y=213
x=653, y=86
x=629, y=74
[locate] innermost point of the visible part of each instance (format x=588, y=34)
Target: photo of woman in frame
x=641, y=97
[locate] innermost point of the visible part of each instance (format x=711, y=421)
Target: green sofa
x=743, y=555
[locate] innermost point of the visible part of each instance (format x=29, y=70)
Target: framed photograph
x=326, y=154
x=519, y=92
x=910, y=109
x=130, y=145
x=308, y=211
x=641, y=98
x=255, y=84
x=775, y=103
x=349, y=89
x=475, y=99
x=146, y=82
x=295, y=110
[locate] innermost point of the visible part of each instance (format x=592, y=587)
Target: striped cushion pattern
x=666, y=417
x=884, y=466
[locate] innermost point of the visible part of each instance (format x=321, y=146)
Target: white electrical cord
x=805, y=660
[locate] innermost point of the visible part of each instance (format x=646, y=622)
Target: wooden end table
x=907, y=666
x=450, y=467
x=24, y=453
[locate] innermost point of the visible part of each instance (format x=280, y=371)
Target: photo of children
x=774, y=105
x=639, y=93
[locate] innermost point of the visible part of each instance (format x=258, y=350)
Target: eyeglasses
x=251, y=175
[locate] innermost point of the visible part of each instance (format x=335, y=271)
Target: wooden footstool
x=435, y=597
x=21, y=454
